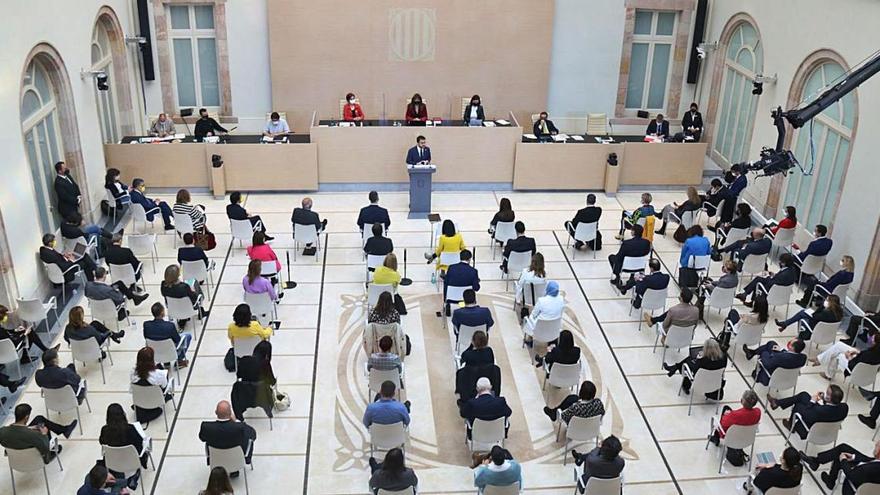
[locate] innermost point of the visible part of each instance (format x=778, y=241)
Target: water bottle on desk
x=433, y=278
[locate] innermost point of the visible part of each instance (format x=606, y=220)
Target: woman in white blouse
x=549, y=307
x=147, y=373
x=534, y=275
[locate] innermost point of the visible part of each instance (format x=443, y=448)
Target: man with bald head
x=226, y=432
x=757, y=244
x=305, y=216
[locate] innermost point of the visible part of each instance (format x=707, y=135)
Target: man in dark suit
x=634, y=247
x=53, y=376
x=73, y=227
x=757, y=244
x=305, y=216
x=161, y=329
x=543, y=128
x=462, y=274
x=138, y=194
x=64, y=261
x=857, y=467
x=820, y=246
x=373, y=213
x=823, y=407
x=420, y=153
x=226, y=432
x=118, y=255
x=485, y=406
x=717, y=193
x=692, y=123
x=519, y=244
x=784, y=277
x=100, y=290
x=190, y=252
x=378, y=245
x=590, y=214
x=739, y=182
x=656, y=280
x=658, y=127
x=69, y=195
x=206, y=126
x=27, y=434
x=234, y=211
x=773, y=357
x=472, y=314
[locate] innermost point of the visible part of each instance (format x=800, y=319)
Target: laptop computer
x=80, y=250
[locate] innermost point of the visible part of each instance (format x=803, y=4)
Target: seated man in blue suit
x=656, y=280
x=373, y=213
x=420, y=153
x=161, y=329
x=658, y=127
x=820, y=246
x=634, y=247
x=822, y=407
x=138, y=195
x=190, y=252
x=772, y=357
x=786, y=276
x=757, y=244
x=472, y=314
x=462, y=274
x=485, y=406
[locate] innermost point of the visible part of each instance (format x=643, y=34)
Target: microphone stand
x=290, y=284
x=405, y=281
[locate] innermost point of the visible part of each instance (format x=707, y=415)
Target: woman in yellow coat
x=244, y=326
x=450, y=241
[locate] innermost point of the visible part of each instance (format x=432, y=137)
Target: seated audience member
x=234, y=211
x=822, y=407
x=534, y=274
x=20, y=335
x=550, y=306
x=717, y=193
x=244, y=326
x=449, y=241
x=603, y=462
x=695, y=245
x=384, y=312
x=99, y=480
x=505, y=213
x=384, y=360
x=147, y=372
x=218, y=483
x=543, y=128
x=840, y=356
x=259, y=250
x=692, y=122
x=478, y=353
x=206, y=126
x=563, y=351
x=710, y=358
x=830, y=312
x=162, y=126
x=583, y=405
x=54, y=377
x=628, y=219
x=78, y=329
x=387, y=410
x=276, y=126
x=784, y=278
x=728, y=280
x=692, y=203
x=472, y=314
x=485, y=406
x=473, y=112
x=378, y=245
x=757, y=244
x=658, y=127
x=772, y=356
x=73, y=227
x=858, y=468
x=759, y=314
x=747, y=415
x=819, y=246
x=139, y=196
x=373, y=214
x=635, y=247
x=196, y=213
x=258, y=366
x=462, y=274
x=737, y=179
x=787, y=222
x=386, y=273
x=498, y=469
x=655, y=280
x=742, y=221
x=116, y=254
x=305, y=216
x=100, y=290
x=254, y=283
x=683, y=314
x=118, y=432
x=416, y=111
x=173, y=287
x=25, y=433
x=190, y=252
x=226, y=432
x=519, y=244
x=116, y=187
x=784, y=474
x=590, y=214
x=64, y=261
x=392, y=474
x=352, y=111
x=161, y=329
x=843, y=276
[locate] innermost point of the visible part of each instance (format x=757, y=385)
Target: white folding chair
x=455, y=293
x=781, y=379
x=745, y=334
x=127, y=274
x=182, y=308
x=373, y=332
x=198, y=271
x=516, y=263
x=600, y=486
x=244, y=346
x=262, y=306
x=448, y=258
x=153, y=397
x=579, y=431
x=305, y=234
x=125, y=460
x=687, y=219
x=753, y=265
x=243, y=231
x=676, y=338
x=584, y=232
x=107, y=312
x=531, y=291
x=547, y=330
x=811, y=266
x=504, y=231
x=68, y=245
x=183, y=224
x=387, y=437
x=824, y=333
x=62, y=400
x=780, y=491
x=863, y=376
x=144, y=245
x=702, y=383
x=511, y=489
x=233, y=460
x=11, y=354
x=139, y=214
x=701, y=264
x=635, y=264
x=864, y=488
x=736, y=437
x=721, y=299
x=57, y=277
x=373, y=293
x=564, y=376
x=466, y=334
x=732, y=235
x=373, y=261
x=486, y=434
x=821, y=433
x=839, y=291
x=783, y=239
x=597, y=124
x=89, y=351
x=35, y=311
x=778, y=295
x=406, y=491
x=165, y=352
x=652, y=300
x=375, y=379
x=114, y=205
x=29, y=461
x=708, y=207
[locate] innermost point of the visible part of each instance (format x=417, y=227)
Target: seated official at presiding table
x=420, y=153
x=276, y=126
x=658, y=127
x=416, y=111
x=352, y=111
x=543, y=127
x=162, y=127
x=206, y=126
x=692, y=123
x=473, y=112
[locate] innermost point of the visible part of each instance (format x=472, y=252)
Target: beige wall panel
x=562, y=166
x=265, y=167
x=663, y=164
x=161, y=165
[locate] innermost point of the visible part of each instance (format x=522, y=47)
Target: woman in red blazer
x=416, y=111
x=352, y=111
x=747, y=415
x=789, y=222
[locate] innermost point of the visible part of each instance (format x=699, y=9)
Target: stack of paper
x=488, y=123
x=560, y=138
x=578, y=138
x=530, y=136
x=502, y=122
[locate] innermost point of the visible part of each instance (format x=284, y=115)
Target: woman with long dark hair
x=505, y=214
x=384, y=312
x=449, y=241
x=218, y=483
x=416, y=111
x=392, y=473
x=602, y=462
x=118, y=432
x=563, y=352
x=583, y=405
x=116, y=187
x=78, y=329
x=785, y=474
x=479, y=353
x=254, y=283
x=172, y=286
x=146, y=372
x=788, y=222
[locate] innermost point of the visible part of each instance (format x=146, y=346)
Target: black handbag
x=229, y=360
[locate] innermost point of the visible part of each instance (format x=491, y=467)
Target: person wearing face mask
x=416, y=111
x=841, y=277
x=843, y=357
x=206, y=126
x=64, y=261
x=352, y=111
x=829, y=312
x=692, y=123
x=276, y=126
x=544, y=128
x=18, y=334
x=658, y=127
x=69, y=196
x=151, y=206
x=473, y=113
x=162, y=127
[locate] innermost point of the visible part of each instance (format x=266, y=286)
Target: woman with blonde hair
x=535, y=274
x=709, y=357
x=387, y=274
x=692, y=203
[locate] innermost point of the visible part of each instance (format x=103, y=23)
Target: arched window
x=42, y=136
x=102, y=59
x=815, y=196
x=744, y=58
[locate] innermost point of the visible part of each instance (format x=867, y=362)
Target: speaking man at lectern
x=420, y=153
